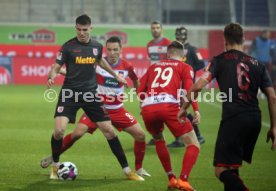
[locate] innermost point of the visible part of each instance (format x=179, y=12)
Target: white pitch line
x=218, y=106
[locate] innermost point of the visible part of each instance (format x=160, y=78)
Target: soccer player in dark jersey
x=111, y=92
x=194, y=59
x=80, y=55
x=240, y=125
x=160, y=105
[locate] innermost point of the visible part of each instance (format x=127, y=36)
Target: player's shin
x=118, y=151
x=189, y=160
x=56, y=147
x=164, y=157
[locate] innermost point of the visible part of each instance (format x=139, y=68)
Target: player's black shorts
x=69, y=102
x=236, y=139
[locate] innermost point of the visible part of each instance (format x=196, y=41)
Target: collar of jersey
x=114, y=65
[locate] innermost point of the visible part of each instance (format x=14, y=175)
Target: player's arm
x=271, y=99
x=132, y=75
x=52, y=74
x=63, y=71
x=192, y=95
x=103, y=64
x=142, y=88
x=135, y=83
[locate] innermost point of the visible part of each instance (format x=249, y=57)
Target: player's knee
x=140, y=136
x=59, y=133
x=107, y=130
x=218, y=171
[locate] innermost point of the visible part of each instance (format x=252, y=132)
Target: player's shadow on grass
x=55, y=185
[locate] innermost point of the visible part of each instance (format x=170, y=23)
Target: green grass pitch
x=26, y=125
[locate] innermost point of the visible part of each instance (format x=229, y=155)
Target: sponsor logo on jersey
x=95, y=51
x=121, y=73
x=111, y=82
x=85, y=60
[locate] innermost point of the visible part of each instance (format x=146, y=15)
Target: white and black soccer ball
x=67, y=171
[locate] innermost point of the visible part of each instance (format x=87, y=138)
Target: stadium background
x=31, y=31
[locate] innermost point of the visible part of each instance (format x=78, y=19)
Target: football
x=67, y=171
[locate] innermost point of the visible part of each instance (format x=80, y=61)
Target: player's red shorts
x=155, y=116
x=120, y=119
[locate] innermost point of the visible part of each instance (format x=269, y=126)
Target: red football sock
x=164, y=157
x=67, y=142
x=139, y=152
x=188, y=162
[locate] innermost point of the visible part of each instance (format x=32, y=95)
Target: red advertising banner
x=31, y=63
x=33, y=71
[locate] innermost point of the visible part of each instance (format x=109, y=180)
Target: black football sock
x=232, y=181
x=56, y=147
x=196, y=129
x=118, y=151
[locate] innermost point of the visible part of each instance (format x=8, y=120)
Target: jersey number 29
x=165, y=75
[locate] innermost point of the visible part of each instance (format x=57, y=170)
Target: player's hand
x=196, y=119
x=121, y=79
x=50, y=82
x=181, y=116
x=271, y=134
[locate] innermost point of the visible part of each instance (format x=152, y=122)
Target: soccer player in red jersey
x=157, y=47
x=159, y=94
x=112, y=93
x=239, y=77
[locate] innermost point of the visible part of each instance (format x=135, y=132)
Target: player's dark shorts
x=236, y=139
x=89, y=101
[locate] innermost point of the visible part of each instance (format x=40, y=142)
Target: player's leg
x=116, y=148
x=123, y=120
x=56, y=143
x=231, y=179
x=189, y=159
x=65, y=113
x=178, y=143
x=200, y=138
x=97, y=114
x=187, y=136
x=235, y=143
x=139, y=147
x=155, y=127
x=84, y=125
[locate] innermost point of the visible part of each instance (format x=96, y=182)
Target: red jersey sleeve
x=142, y=87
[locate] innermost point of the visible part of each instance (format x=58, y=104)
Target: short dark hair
x=233, y=33
x=83, y=20
x=175, y=47
x=114, y=39
x=175, y=44
x=156, y=23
